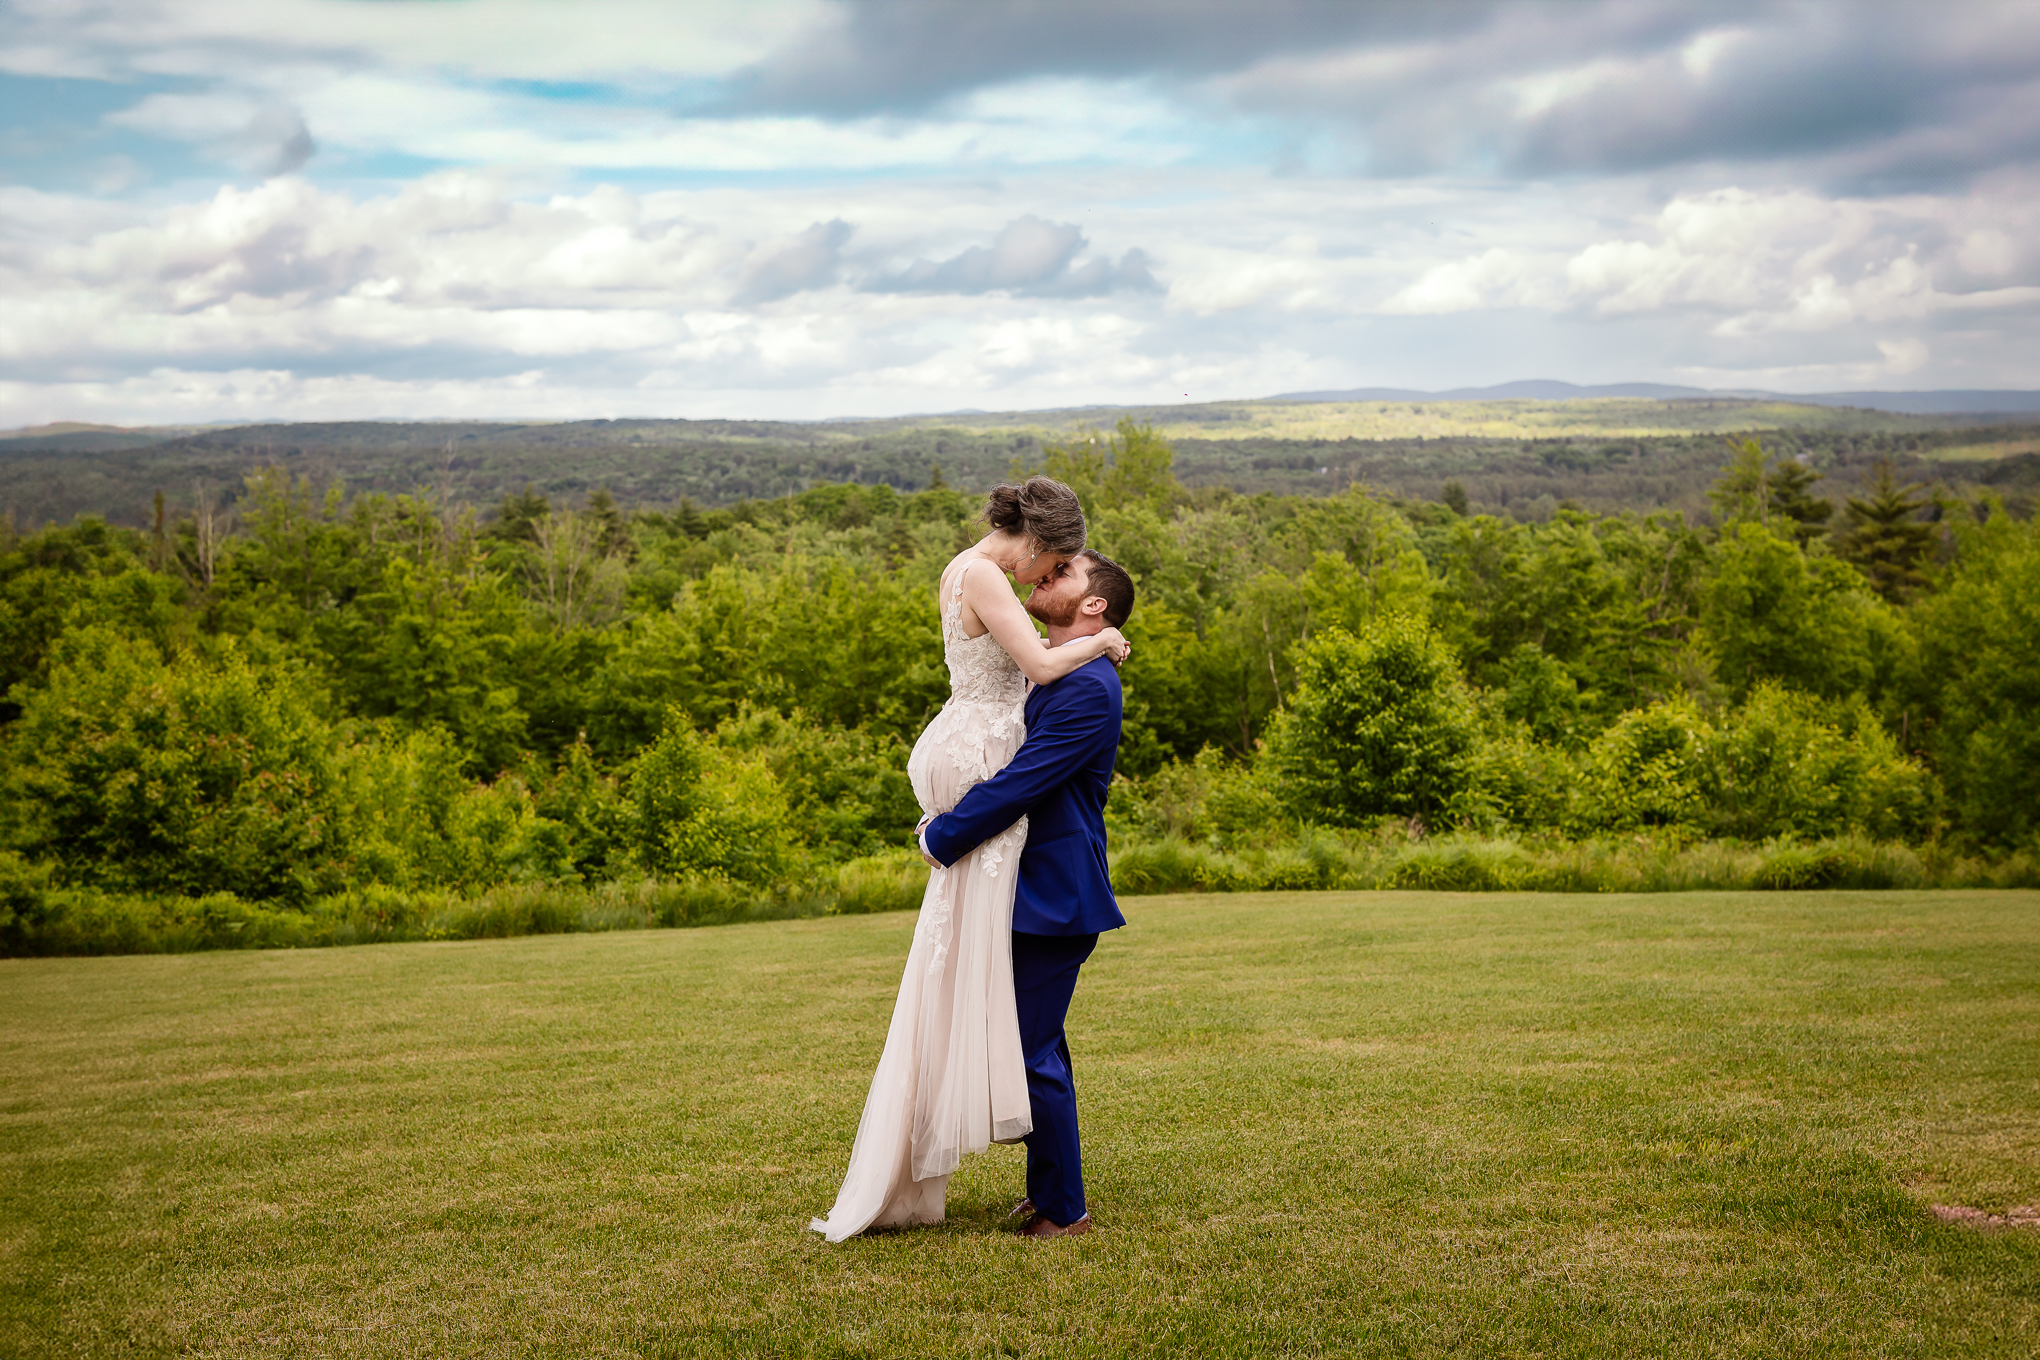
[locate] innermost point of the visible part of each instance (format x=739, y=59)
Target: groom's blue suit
x=1058, y=781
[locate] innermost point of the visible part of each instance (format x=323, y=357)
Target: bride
x=952, y=1079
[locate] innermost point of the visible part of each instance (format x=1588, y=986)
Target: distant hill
x=1939, y=403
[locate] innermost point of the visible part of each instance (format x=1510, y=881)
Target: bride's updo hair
x=1040, y=509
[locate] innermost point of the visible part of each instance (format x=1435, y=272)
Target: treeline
x=346, y=707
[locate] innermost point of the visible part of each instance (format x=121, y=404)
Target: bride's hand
x=1116, y=645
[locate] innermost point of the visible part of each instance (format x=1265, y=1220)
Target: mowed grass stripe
x=1394, y=1124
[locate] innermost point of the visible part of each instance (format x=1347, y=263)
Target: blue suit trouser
x=1044, y=978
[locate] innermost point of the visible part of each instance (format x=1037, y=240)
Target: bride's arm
x=986, y=592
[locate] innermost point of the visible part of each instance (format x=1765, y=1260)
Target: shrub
x=24, y=899
x=494, y=835
x=1380, y=724
x=665, y=784
x=737, y=829
x=1170, y=866
x=187, y=777
x=401, y=788
x=1519, y=779
x=847, y=791
x=1169, y=802
x=1647, y=770
x=1241, y=804
x=1782, y=764
x=595, y=817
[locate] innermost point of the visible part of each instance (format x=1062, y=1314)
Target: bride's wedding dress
x=952, y=1079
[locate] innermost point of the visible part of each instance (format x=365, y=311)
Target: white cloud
x=1290, y=274
x=514, y=39
x=261, y=136
x=1792, y=262
x=1059, y=226
x=1494, y=278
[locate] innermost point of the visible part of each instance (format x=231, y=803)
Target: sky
x=218, y=210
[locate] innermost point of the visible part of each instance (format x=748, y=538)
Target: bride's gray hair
x=1040, y=509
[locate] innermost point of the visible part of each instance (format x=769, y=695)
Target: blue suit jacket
x=1058, y=781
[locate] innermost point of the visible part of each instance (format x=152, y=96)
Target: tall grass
x=1471, y=863
x=38, y=919
x=47, y=920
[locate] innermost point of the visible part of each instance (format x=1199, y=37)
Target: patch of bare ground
x=2024, y=1216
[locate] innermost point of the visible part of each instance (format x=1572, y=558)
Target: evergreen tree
x=1743, y=490
x=1787, y=485
x=518, y=514
x=1454, y=497
x=1885, y=539
x=612, y=526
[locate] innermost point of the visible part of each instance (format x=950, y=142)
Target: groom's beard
x=1042, y=605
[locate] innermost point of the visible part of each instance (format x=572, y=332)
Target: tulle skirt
x=952, y=1078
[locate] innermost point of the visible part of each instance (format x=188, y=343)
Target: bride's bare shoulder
x=981, y=570
x=976, y=574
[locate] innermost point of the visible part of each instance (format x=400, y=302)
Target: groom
x=1063, y=899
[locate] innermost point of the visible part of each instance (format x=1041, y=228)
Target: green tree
x=665, y=788
x=1743, y=491
x=185, y=777
x=83, y=575
x=1133, y=466
x=1777, y=494
x=1380, y=724
x=1884, y=537
x=1772, y=611
x=1541, y=694
x=1980, y=659
x=1788, y=488
x=1141, y=469
x=518, y=513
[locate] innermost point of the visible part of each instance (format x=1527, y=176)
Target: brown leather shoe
x=1038, y=1226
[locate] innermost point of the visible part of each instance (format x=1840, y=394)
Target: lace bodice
x=953, y=1078
x=980, y=671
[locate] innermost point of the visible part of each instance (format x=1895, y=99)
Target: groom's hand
x=922, y=845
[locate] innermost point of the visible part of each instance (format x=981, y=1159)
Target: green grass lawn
x=1373, y=1124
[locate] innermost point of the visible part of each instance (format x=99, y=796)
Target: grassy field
x=1355, y=1124
x=1587, y=416
x=1986, y=453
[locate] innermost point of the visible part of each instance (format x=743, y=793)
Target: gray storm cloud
x=885, y=56
x=1870, y=93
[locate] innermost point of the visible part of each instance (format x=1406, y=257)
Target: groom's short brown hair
x=1110, y=583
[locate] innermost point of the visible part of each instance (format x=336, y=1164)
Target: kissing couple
x=1011, y=776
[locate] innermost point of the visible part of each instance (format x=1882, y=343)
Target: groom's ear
x=1094, y=604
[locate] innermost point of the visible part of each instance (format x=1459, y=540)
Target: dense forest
x=358, y=709
x=1540, y=461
